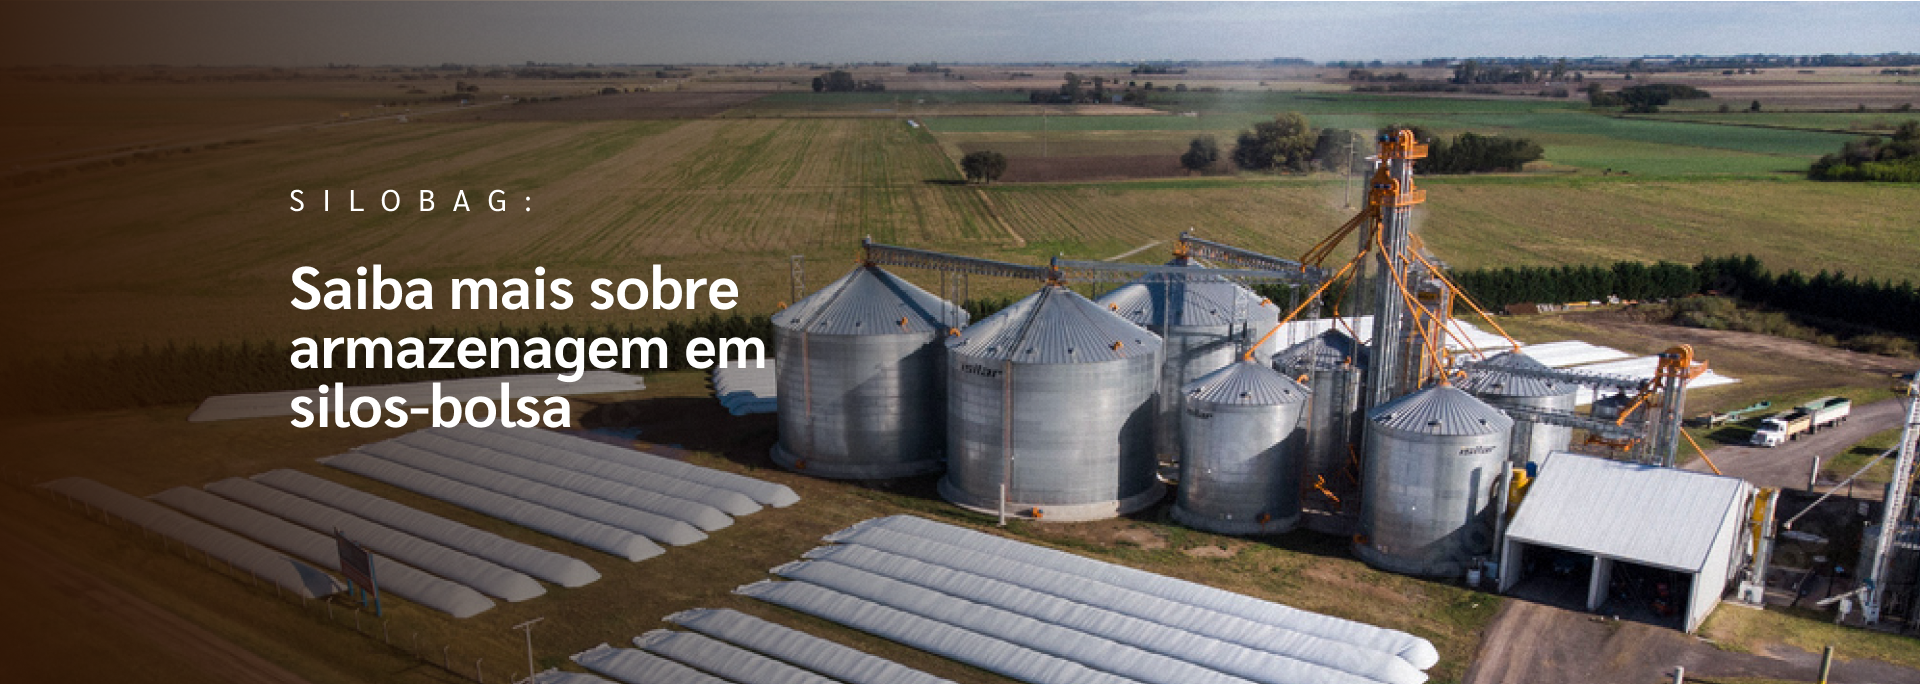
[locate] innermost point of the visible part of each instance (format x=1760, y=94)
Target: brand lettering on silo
x=981, y=370
x=1197, y=413
x=1476, y=450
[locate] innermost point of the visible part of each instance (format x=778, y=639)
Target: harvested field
x=623, y=106
x=1090, y=168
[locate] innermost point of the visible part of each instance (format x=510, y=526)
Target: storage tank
x=1334, y=366
x=1432, y=461
x=1240, y=432
x=861, y=384
x=1531, y=441
x=1204, y=325
x=1052, y=396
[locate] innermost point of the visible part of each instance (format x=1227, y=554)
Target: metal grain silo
x=1334, y=366
x=861, y=383
x=1204, y=325
x=1052, y=397
x=1531, y=441
x=1432, y=461
x=1240, y=429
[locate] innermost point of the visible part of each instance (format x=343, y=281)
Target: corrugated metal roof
x=1201, y=303
x=1245, y=383
x=868, y=301
x=1663, y=517
x=1489, y=380
x=1329, y=349
x=1055, y=325
x=1442, y=410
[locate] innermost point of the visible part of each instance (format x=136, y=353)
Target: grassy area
x=1846, y=462
x=1747, y=630
x=1856, y=123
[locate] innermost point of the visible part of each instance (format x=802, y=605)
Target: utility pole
x=527, y=627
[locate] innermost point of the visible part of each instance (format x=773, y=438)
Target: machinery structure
x=1896, y=528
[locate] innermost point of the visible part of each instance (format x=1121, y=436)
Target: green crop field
x=198, y=247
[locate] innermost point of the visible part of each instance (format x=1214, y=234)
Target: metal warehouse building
x=1622, y=517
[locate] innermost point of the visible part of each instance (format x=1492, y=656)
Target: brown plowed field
x=1091, y=168
x=624, y=106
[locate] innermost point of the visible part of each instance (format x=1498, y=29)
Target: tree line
x=1289, y=143
x=1831, y=297
x=1874, y=158
x=840, y=81
x=1644, y=99
x=1827, y=296
x=1496, y=288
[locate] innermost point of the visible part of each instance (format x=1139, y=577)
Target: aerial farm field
x=727, y=172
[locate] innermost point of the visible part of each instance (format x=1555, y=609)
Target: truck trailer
x=1803, y=419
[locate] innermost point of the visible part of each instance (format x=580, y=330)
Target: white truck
x=1803, y=419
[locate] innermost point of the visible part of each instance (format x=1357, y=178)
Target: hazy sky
x=726, y=32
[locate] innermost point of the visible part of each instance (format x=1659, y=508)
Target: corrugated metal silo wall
x=1428, y=504
x=861, y=406
x=1241, y=471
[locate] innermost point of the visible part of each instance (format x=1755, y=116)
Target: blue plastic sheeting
x=1200, y=621
x=726, y=501
x=535, y=561
x=303, y=580
x=483, y=576
x=635, y=666
x=699, y=515
x=719, y=658
x=767, y=493
x=573, y=528
x=658, y=528
x=797, y=647
x=394, y=578
x=992, y=654
x=1418, y=652
x=1147, y=635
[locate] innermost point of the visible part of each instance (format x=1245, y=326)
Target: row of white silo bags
x=594, y=535
x=532, y=560
x=394, y=577
x=264, y=563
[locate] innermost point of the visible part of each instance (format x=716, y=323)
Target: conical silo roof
x=868, y=301
x=1152, y=301
x=1054, y=325
x=1491, y=379
x=1330, y=349
x=1442, y=410
x=1245, y=383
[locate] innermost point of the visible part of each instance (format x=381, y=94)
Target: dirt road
x=213, y=654
x=1530, y=643
x=1789, y=464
